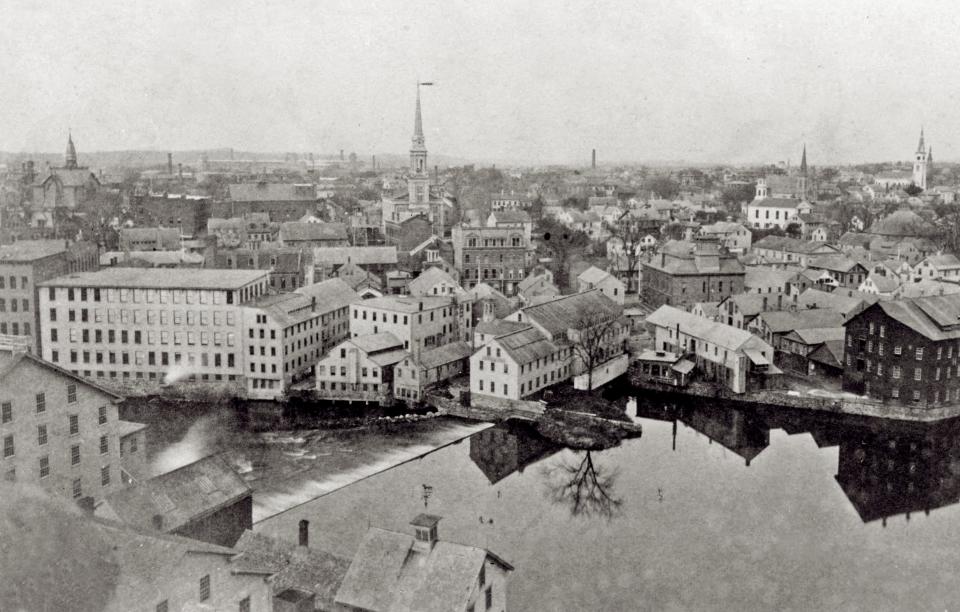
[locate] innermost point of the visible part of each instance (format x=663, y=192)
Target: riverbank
x=839, y=404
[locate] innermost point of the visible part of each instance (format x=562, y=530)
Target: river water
x=712, y=508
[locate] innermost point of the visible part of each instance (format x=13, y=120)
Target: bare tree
x=631, y=234
x=585, y=487
x=593, y=341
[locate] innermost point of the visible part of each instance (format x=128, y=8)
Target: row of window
x=24, y=282
x=25, y=305
x=44, y=467
x=40, y=402
x=149, y=296
x=15, y=328
x=898, y=349
x=149, y=358
x=84, y=335
x=140, y=316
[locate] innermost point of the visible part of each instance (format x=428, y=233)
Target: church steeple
x=803, y=161
x=921, y=161
x=920, y=147
x=71, y=160
x=419, y=180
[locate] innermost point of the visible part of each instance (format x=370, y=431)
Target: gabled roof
x=776, y=203
x=884, y=284
x=429, y=278
x=388, y=574
x=527, y=344
x=374, y=343
x=829, y=353
x=302, y=232
x=444, y=354
x=568, y=311
x=833, y=263
x=793, y=245
x=499, y=327
x=816, y=335
x=9, y=360
x=780, y=321
x=31, y=250
x=159, y=278
x=946, y=261
x=593, y=275
x=511, y=216
x=179, y=497
x=293, y=566
x=722, y=335
x=937, y=318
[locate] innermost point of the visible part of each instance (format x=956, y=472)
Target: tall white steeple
x=419, y=181
x=920, y=159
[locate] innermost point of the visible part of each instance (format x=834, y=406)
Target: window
x=488, y=597
x=6, y=412
x=41, y=402
x=895, y=392
x=75, y=454
x=245, y=604
x=71, y=394
x=895, y=371
x=916, y=395
x=102, y=417
x=919, y=353
x=917, y=373
x=41, y=435
x=105, y=475
x=205, y=588
x=8, y=449
x=104, y=445
x=897, y=349
x=44, y=466
x=77, y=488
x=883, y=329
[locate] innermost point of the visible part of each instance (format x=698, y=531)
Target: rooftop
x=31, y=250
x=572, y=311
x=180, y=496
x=160, y=278
x=722, y=335
x=401, y=303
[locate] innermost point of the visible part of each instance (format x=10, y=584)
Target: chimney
x=304, y=536
x=488, y=311
x=313, y=303
x=169, y=163
x=764, y=303
x=374, y=163
x=425, y=532
x=593, y=159
x=779, y=301
x=341, y=154
x=158, y=522
x=180, y=171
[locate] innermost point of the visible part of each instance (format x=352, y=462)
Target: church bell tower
x=419, y=181
x=920, y=159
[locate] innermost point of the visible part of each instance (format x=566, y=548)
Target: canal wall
x=774, y=398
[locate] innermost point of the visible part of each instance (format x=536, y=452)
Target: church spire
x=418, y=121
x=803, y=161
x=920, y=147
x=71, y=161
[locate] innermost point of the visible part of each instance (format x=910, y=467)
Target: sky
x=741, y=81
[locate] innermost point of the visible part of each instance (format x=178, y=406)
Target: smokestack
x=170, y=163
x=341, y=154
x=180, y=171
x=374, y=162
x=593, y=159
x=304, y=538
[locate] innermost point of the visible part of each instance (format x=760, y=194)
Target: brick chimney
x=424, y=532
x=304, y=533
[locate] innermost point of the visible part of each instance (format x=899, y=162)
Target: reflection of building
x=735, y=430
x=887, y=474
x=505, y=449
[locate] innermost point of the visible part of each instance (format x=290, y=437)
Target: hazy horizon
x=524, y=83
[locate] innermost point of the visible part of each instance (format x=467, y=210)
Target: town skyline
x=740, y=86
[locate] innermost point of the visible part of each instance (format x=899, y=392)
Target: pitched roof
x=946, y=261
x=884, y=284
x=830, y=353
x=765, y=276
x=833, y=263
x=937, y=318
x=428, y=278
x=10, y=359
x=722, y=335
x=817, y=335
x=447, y=353
x=567, y=311
x=401, y=303
x=180, y=496
x=902, y=223
x=294, y=231
x=780, y=321
x=499, y=327
x=387, y=574
x=362, y=256
x=527, y=344
x=298, y=567
x=374, y=343
x=593, y=275
x=31, y=250
x=792, y=245
x=511, y=216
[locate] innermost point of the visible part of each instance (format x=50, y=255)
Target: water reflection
x=586, y=488
x=885, y=468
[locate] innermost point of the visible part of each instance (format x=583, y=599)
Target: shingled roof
x=567, y=311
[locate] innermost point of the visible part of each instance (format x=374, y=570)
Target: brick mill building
x=905, y=351
x=685, y=273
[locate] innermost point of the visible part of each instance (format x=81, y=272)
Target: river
x=712, y=508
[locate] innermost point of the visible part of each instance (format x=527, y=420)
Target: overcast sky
x=710, y=81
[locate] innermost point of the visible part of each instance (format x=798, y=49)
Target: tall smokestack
x=374, y=161
x=593, y=159
x=170, y=163
x=341, y=154
x=180, y=171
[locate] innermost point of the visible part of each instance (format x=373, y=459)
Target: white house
x=938, y=267
x=766, y=213
x=724, y=354
x=735, y=237
x=595, y=278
